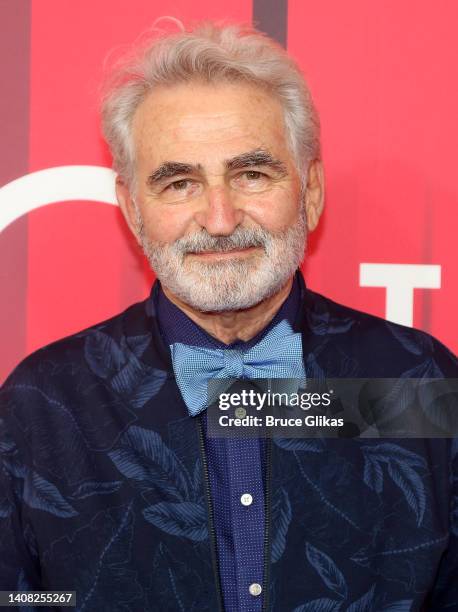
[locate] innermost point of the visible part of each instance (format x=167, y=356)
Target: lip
x=226, y=254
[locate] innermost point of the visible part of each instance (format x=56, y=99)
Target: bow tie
x=277, y=355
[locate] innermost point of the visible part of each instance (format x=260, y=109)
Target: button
x=246, y=499
x=255, y=589
x=240, y=413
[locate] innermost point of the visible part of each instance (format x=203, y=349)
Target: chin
x=215, y=288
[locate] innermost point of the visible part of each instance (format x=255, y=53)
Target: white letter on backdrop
x=400, y=280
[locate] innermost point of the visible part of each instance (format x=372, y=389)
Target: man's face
x=218, y=202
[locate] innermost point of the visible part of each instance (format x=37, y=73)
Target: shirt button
x=246, y=499
x=240, y=413
x=255, y=589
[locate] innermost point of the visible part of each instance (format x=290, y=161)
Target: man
x=111, y=483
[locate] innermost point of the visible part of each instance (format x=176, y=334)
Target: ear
x=127, y=206
x=314, y=193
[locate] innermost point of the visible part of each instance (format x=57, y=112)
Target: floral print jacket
x=103, y=487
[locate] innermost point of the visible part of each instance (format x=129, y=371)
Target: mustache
x=241, y=238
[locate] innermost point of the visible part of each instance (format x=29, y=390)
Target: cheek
x=166, y=225
x=275, y=212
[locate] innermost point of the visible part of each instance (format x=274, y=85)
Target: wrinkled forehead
x=207, y=123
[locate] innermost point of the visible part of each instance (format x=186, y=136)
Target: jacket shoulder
x=71, y=353
x=376, y=346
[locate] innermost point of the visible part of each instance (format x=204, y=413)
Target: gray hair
x=211, y=53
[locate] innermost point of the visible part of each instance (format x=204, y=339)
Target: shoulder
x=90, y=384
x=91, y=351
x=372, y=346
x=83, y=391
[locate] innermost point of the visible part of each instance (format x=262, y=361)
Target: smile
x=225, y=254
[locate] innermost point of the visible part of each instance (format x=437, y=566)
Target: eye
x=253, y=175
x=180, y=185
x=252, y=181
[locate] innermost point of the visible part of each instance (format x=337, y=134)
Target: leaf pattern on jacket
x=24, y=585
x=384, y=399
x=423, y=385
x=12, y=471
x=373, y=473
x=5, y=507
x=313, y=369
x=318, y=319
x=43, y=415
x=143, y=457
x=416, y=344
x=41, y=494
x=403, y=605
x=326, y=569
x=7, y=443
x=92, y=487
x=36, y=491
x=454, y=449
x=109, y=537
x=138, y=344
x=438, y=400
x=14, y=466
x=103, y=354
x=400, y=464
x=364, y=603
x=281, y=518
x=185, y=519
x=129, y=377
x=320, y=605
x=175, y=584
x=197, y=481
x=454, y=476
x=300, y=444
x=454, y=518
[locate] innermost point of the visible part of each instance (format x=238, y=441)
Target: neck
x=227, y=327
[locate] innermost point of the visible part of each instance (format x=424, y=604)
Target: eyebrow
x=169, y=169
x=257, y=157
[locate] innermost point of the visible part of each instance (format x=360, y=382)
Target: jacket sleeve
x=444, y=595
x=445, y=592
x=19, y=564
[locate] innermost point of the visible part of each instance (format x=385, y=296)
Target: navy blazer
x=104, y=487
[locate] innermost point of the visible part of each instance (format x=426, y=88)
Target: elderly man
x=111, y=484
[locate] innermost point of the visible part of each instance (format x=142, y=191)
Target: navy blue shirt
x=236, y=468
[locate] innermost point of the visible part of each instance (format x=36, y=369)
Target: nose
x=219, y=215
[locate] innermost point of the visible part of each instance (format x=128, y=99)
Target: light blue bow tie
x=278, y=355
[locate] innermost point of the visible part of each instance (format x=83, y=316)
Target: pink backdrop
x=384, y=80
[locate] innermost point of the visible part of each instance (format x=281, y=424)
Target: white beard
x=229, y=284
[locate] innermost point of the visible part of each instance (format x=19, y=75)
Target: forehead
x=194, y=121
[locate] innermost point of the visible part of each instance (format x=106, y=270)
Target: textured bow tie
x=277, y=355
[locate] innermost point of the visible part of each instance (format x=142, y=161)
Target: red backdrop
x=384, y=80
